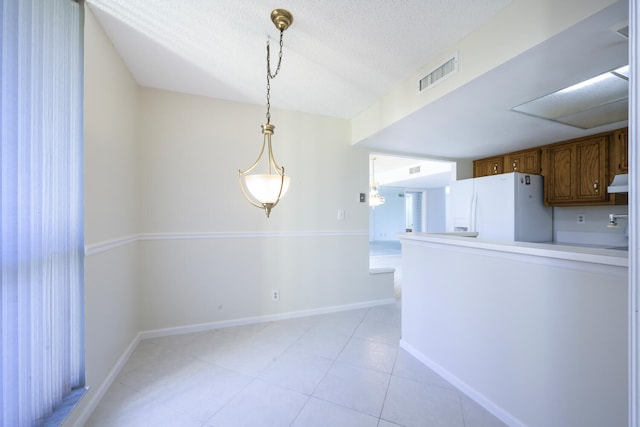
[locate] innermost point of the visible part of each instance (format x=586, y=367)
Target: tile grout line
x=334, y=360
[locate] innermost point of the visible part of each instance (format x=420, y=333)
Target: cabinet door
x=525, y=162
x=513, y=163
x=591, y=158
x=621, y=151
x=560, y=178
x=486, y=167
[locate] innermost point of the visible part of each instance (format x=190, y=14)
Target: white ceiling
x=340, y=57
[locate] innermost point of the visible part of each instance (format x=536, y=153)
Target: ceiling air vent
x=439, y=73
x=622, y=30
x=415, y=169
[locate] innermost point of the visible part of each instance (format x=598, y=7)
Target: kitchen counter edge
x=613, y=257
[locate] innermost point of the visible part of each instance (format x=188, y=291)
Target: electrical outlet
x=581, y=219
x=275, y=295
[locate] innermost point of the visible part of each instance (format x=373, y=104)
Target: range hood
x=620, y=184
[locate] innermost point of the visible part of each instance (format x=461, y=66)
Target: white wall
x=539, y=341
x=595, y=227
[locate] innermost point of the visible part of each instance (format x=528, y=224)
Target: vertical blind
x=41, y=231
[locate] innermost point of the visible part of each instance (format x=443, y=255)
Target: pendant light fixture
x=264, y=190
x=375, y=199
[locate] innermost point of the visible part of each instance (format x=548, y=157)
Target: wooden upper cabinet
x=523, y=161
x=592, y=166
x=576, y=172
x=488, y=166
x=527, y=161
x=560, y=172
x=620, y=151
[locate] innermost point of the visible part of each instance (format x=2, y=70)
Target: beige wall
x=112, y=317
x=207, y=255
x=191, y=150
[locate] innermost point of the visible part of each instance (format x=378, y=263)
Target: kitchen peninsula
x=536, y=333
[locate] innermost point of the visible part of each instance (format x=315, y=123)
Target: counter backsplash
x=589, y=225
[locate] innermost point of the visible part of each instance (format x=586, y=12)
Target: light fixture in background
x=264, y=190
x=595, y=102
x=375, y=199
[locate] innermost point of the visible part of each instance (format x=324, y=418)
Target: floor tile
x=410, y=403
x=356, y=388
x=297, y=370
x=319, y=413
x=206, y=392
x=387, y=332
x=158, y=372
x=260, y=404
x=343, y=322
x=340, y=369
x=245, y=357
x=281, y=334
x=387, y=313
x=476, y=416
x=146, y=413
x=120, y=398
x=370, y=354
x=411, y=368
x=323, y=341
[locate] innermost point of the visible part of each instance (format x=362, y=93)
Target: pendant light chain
x=272, y=76
x=264, y=190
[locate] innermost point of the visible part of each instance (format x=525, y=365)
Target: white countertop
x=591, y=254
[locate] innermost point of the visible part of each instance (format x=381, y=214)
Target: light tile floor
x=341, y=369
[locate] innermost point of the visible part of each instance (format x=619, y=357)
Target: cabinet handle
x=515, y=165
x=595, y=186
x=495, y=168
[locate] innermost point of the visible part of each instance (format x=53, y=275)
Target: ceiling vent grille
x=621, y=29
x=624, y=32
x=415, y=169
x=439, y=73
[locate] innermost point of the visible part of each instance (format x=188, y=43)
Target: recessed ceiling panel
x=601, y=90
x=604, y=114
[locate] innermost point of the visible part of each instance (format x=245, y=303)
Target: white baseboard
x=472, y=393
x=101, y=390
x=113, y=374
x=156, y=333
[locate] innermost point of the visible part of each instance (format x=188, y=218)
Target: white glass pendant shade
x=265, y=188
x=375, y=199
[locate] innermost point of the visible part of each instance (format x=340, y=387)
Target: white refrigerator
x=506, y=207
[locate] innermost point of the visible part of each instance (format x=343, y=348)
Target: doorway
x=412, y=191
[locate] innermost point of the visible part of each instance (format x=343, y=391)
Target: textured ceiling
x=339, y=56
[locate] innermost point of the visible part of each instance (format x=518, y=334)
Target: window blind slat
x=41, y=202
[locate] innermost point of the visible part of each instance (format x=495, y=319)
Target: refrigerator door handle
x=472, y=213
